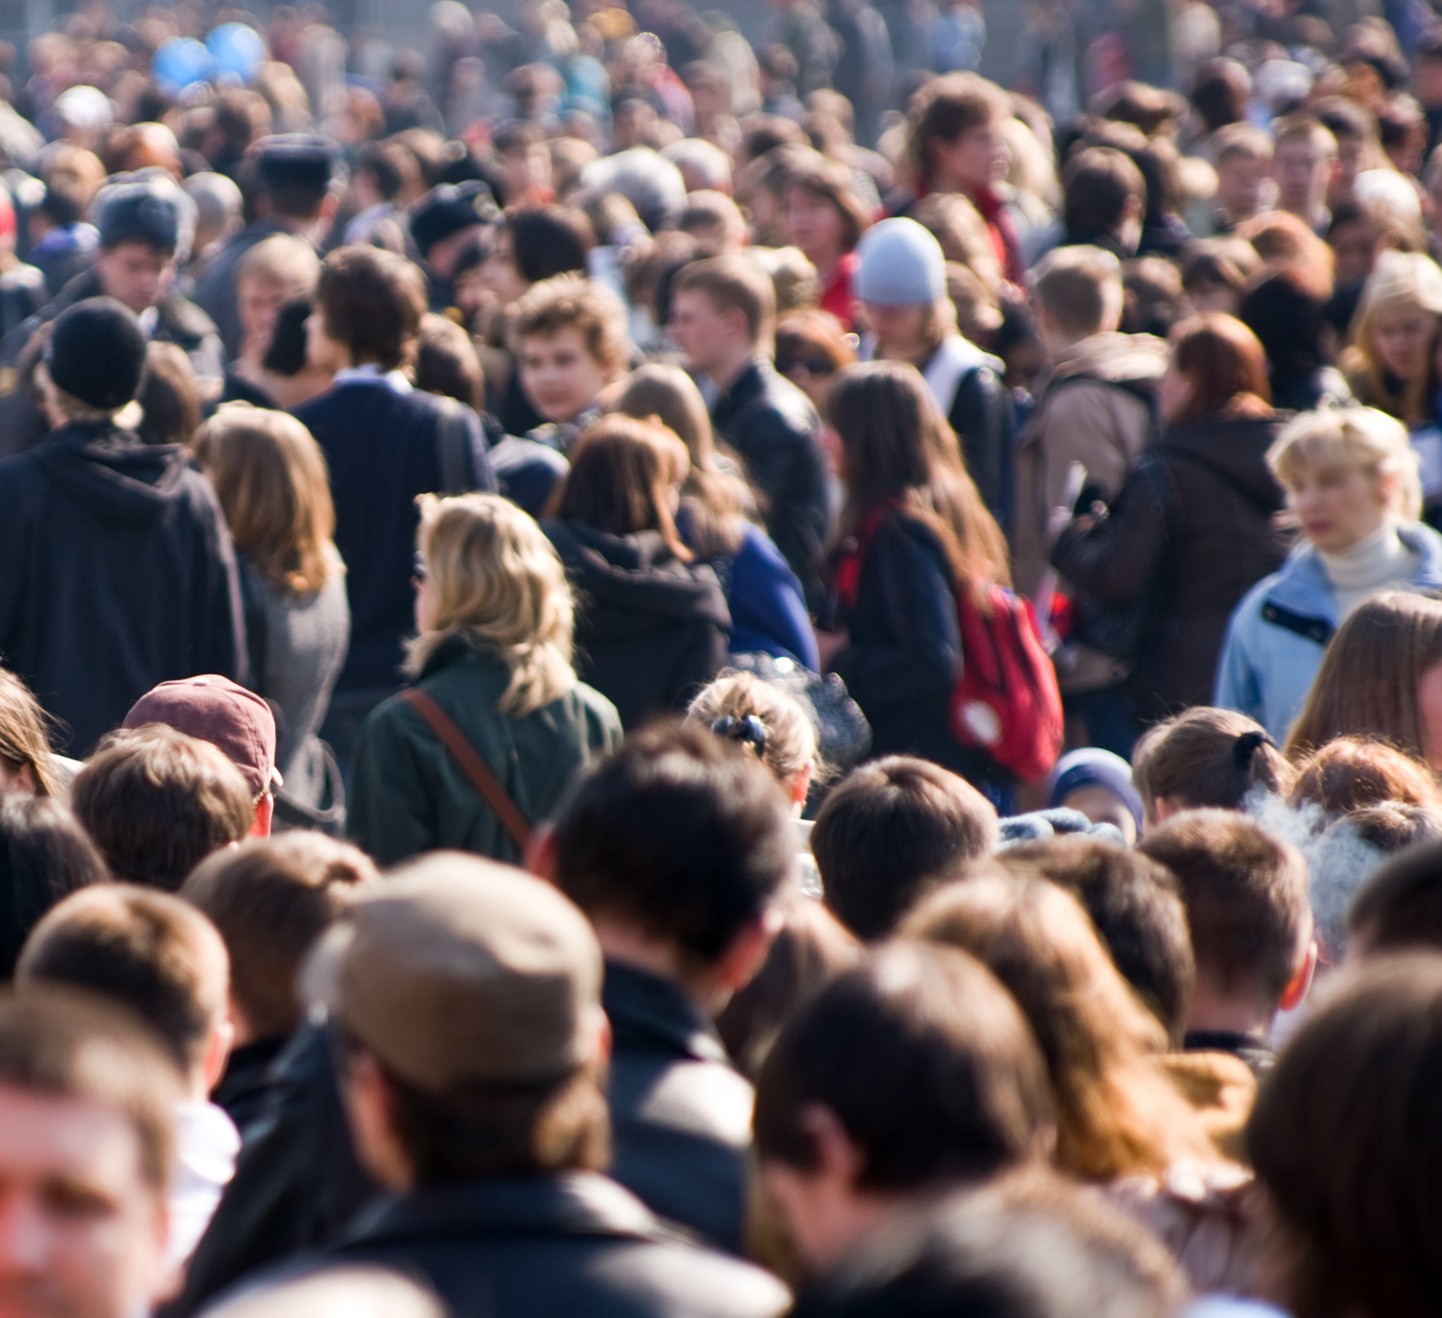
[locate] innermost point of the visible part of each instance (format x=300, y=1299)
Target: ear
x=740, y=962
x=370, y=1113
x=540, y=857
x=264, y=816
x=838, y=1157
x=800, y=784
x=217, y=1051
x=1296, y=990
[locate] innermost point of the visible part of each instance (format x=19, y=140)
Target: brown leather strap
x=476, y=769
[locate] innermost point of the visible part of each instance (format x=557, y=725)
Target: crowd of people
x=655, y=670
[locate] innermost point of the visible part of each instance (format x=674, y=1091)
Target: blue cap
x=1093, y=767
x=901, y=265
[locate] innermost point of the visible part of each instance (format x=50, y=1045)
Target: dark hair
x=157, y=803
x=678, y=833
x=927, y=1063
x=372, y=302
x=270, y=899
x=447, y=362
x=1208, y=757
x=1097, y=184
x=945, y=108
x=285, y=354
x=1220, y=93
x=1400, y=906
x=832, y=182
x=147, y=950
x=64, y=202
x=1286, y=316
x=1345, y=1141
x=889, y=832
x=1224, y=363
x=1135, y=905
x=547, y=241
x=44, y=857
x=169, y=396
x=386, y=163
x=1246, y=899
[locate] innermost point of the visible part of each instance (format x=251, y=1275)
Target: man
x=1243, y=155
x=385, y=443
x=675, y=847
x=119, y=572
x=441, y=224
x=292, y=189
x=723, y=318
x=1104, y=198
x=87, y=1103
x=467, y=996
x=1304, y=163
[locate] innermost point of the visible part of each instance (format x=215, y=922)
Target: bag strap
x=476, y=769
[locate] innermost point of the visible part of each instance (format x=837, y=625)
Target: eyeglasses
x=817, y=365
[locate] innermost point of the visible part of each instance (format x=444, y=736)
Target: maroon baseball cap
x=215, y=709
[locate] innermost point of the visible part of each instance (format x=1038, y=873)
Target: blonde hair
x=1351, y=439
x=126, y=417
x=1400, y=282
x=282, y=258
x=499, y=582
x=790, y=736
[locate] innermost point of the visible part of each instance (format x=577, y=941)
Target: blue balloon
x=238, y=50
x=180, y=63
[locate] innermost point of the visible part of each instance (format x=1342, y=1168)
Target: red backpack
x=1006, y=701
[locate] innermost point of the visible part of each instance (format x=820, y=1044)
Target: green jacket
x=409, y=795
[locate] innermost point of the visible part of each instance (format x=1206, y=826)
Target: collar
x=1302, y=585
x=652, y=1014
x=371, y=373
x=751, y=383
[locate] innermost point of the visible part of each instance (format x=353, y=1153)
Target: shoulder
x=183, y=318
x=597, y=710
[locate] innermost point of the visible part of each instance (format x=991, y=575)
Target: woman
x=270, y=476
x=493, y=653
x=27, y=764
x=1197, y=517
x=1351, y=478
x=1395, y=336
x=768, y=610
x=914, y=533
x=825, y=219
x=653, y=621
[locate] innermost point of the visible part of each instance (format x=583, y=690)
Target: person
x=914, y=536
x=1355, y=1079
x=1394, y=338
x=276, y=272
x=676, y=846
x=901, y=283
x=723, y=313
x=493, y=651
x=889, y=832
x=1304, y=163
x=1199, y=510
x=763, y=595
x=159, y=595
x=653, y=622
x=384, y=443
x=337, y=1292
x=773, y=724
x=270, y=477
x=158, y=957
x=1097, y=784
x=1251, y=927
x=1352, y=478
x=441, y=223
x=482, y=1112
x=1356, y=772
x=1104, y=197
x=27, y=763
x=954, y=1094
x=825, y=218
x=270, y=899
x=1242, y=154
x=1284, y=309
x=157, y=802
x=1397, y=908
x=87, y=1107
x=22, y=285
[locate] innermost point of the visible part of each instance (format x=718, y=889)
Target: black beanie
x=96, y=353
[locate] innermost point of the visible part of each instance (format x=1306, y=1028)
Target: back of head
x=889, y=832
x=741, y=707
x=547, y=241
x=1080, y=288
x=1102, y=188
x=157, y=802
x=1345, y=1142
x=148, y=951
x=926, y=1063
x=1352, y=773
x=372, y=302
x=270, y=899
x=676, y=835
x=1400, y=906
x=1246, y=899
x=1207, y=757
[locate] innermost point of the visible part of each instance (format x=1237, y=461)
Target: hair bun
x=749, y=730
x=1246, y=746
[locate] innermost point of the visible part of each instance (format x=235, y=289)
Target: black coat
x=984, y=418
x=116, y=573
x=650, y=630
x=1219, y=535
x=772, y=425
x=569, y=1246
x=680, y=1112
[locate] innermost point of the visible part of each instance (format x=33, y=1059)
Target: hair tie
x=749, y=731
x=1246, y=746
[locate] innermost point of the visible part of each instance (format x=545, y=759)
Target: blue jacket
x=1277, y=635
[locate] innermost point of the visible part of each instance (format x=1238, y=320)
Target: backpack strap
x=476, y=769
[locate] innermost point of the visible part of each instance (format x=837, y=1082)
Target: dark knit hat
x=96, y=353
x=146, y=207
x=298, y=160
x=447, y=210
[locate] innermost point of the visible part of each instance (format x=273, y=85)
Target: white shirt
x=206, y=1146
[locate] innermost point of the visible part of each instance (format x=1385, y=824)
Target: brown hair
x=1224, y=363
x=1228, y=261
x=1400, y=906
x=270, y=899
x=965, y=240
x=447, y=362
x=1207, y=757
x=573, y=301
x=1246, y=900
x=1098, y=183
x=623, y=473
x=1286, y=244
x=25, y=733
x=734, y=283
x=1353, y=773
x=831, y=181
x=1367, y=682
x=945, y=108
x=372, y=302
x=170, y=396
x=147, y=950
x=274, y=489
x=1081, y=288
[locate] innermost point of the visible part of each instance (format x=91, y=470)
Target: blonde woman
x=1351, y=478
x=493, y=655
x=1394, y=337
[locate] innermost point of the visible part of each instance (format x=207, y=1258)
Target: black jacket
x=244, y=1090
x=680, y=1112
x=1199, y=530
x=982, y=414
x=116, y=573
x=772, y=425
x=650, y=630
x=570, y=1246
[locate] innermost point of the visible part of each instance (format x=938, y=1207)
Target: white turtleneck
x=1377, y=563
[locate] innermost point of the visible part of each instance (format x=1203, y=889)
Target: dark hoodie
x=650, y=630
x=116, y=573
x=1218, y=534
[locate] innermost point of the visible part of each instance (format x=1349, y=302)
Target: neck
x=1378, y=556
x=628, y=946
x=728, y=370
x=1219, y=1013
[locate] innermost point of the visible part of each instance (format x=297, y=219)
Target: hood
x=635, y=578
x=1114, y=356
x=111, y=474
x=1235, y=448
